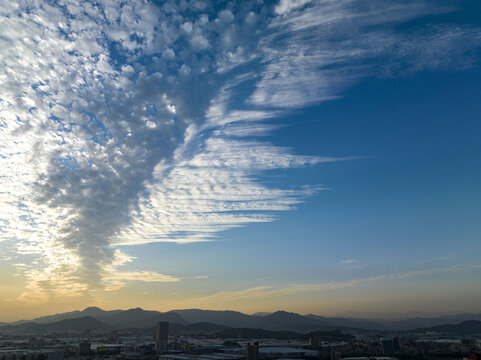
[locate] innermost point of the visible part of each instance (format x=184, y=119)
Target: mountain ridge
x=465, y=328
x=214, y=320
x=76, y=324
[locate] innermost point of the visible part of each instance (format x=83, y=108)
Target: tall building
x=388, y=347
x=84, y=348
x=335, y=355
x=397, y=345
x=161, y=337
x=55, y=355
x=252, y=351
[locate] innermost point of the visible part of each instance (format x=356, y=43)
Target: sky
x=311, y=156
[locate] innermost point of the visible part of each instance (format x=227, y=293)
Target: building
x=84, y=348
x=161, y=337
x=55, y=355
x=214, y=356
x=387, y=346
x=335, y=355
x=252, y=351
x=280, y=352
x=397, y=345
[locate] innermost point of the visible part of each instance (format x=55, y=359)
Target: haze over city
x=320, y=157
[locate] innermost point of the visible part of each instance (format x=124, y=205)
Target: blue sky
x=409, y=204
x=250, y=156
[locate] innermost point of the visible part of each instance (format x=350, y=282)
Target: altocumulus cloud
x=123, y=123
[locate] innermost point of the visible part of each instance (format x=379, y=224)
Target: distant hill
x=349, y=322
x=395, y=315
x=139, y=318
x=78, y=324
x=282, y=320
x=226, y=318
x=422, y=322
x=279, y=320
x=335, y=335
x=197, y=321
x=469, y=327
x=203, y=328
x=117, y=319
x=95, y=311
x=90, y=311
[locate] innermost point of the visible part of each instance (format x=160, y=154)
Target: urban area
x=208, y=341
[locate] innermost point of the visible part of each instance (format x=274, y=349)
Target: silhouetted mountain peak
x=93, y=311
x=280, y=320
x=92, y=308
x=137, y=309
x=280, y=314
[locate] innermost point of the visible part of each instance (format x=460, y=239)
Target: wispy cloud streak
x=266, y=291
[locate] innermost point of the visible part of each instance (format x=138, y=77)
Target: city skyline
x=310, y=156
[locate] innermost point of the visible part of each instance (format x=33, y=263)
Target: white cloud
x=313, y=55
x=95, y=154
x=117, y=280
x=286, y=6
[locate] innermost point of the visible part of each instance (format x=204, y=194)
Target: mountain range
x=465, y=328
x=196, y=321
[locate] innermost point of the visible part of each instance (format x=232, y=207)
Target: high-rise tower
x=161, y=337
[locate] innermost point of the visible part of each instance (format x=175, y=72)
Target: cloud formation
x=267, y=291
x=132, y=122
